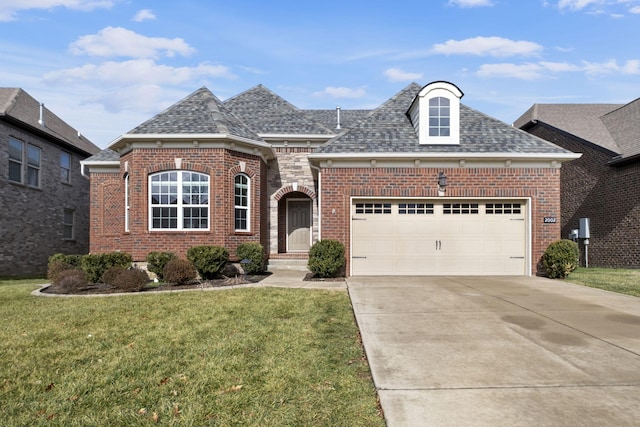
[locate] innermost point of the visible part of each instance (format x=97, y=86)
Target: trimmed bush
x=560, y=258
x=157, y=260
x=72, y=260
x=71, y=280
x=95, y=265
x=208, y=260
x=326, y=258
x=179, y=271
x=111, y=274
x=55, y=267
x=253, y=252
x=131, y=280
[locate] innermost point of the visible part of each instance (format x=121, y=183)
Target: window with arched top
x=435, y=114
x=242, y=201
x=179, y=200
x=439, y=116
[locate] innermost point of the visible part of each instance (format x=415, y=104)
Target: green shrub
x=560, y=258
x=55, y=267
x=71, y=280
x=95, y=265
x=208, y=260
x=157, y=260
x=326, y=258
x=72, y=260
x=179, y=271
x=131, y=280
x=253, y=252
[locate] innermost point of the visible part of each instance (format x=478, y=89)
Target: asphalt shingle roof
x=267, y=113
x=388, y=129
x=199, y=113
x=19, y=105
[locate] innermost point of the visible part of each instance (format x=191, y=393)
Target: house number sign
x=550, y=220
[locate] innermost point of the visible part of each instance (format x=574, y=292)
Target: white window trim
x=246, y=208
x=127, y=201
x=444, y=90
x=38, y=168
x=179, y=205
x=20, y=163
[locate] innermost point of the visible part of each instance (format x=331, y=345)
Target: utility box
x=583, y=231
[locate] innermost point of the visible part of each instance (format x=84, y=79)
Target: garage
x=439, y=236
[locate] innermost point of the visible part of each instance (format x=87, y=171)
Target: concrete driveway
x=499, y=351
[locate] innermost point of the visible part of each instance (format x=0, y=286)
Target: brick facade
x=108, y=198
x=31, y=219
x=609, y=195
x=540, y=184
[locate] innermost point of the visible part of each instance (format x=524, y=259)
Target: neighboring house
x=45, y=199
x=604, y=184
x=420, y=185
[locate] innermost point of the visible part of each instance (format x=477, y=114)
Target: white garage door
x=433, y=237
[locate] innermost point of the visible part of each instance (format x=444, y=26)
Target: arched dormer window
x=435, y=113
x=241, y=203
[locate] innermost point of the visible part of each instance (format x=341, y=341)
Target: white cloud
x=120, y=42
x=397, y=75
x=470, y=3
x=144, y=15
x=9, y=8
x=635, y=9
x=136, y=72
x=342, y=92
x=487, y=46
x=540, y=70
x=576, y=4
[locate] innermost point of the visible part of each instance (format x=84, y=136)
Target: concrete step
x=287, y=264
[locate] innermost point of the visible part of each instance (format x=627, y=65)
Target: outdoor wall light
x=442, y=183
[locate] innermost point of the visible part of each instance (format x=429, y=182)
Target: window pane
x=15, y=172
x=65, y=167
x=33, y=156
x=15, y=150
x=33, y=177
x=241, y=219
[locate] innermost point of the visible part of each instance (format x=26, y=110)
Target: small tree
x=326, y=258
x=560, y=258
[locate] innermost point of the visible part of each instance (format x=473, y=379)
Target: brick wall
x=107, y=202
x=541, y=185
x=31, y=219
x=608, y=195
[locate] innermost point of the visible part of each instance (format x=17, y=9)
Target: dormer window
x=439, y=116
x=435, y=114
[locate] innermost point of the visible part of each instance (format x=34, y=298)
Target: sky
x=106, y=66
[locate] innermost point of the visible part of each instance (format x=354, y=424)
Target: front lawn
x=250, y=357
x=610, y=279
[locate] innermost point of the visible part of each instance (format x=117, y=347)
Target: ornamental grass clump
x=326, y=258
x=560, y=258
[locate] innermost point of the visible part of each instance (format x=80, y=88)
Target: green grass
x=610, y=279
x=245, y=357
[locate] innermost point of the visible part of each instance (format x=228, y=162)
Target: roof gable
x=388, y=129
x=267, y=113
x=22, y=107
x=624, y=126
x=199, y=113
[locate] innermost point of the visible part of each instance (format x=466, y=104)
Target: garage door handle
x=517, y=257
x=359, y=257
x=438, y=245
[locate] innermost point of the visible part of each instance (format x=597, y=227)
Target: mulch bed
x=103, y=288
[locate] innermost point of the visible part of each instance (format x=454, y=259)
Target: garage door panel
x=468, y=240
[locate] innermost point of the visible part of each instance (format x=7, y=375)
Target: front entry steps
x=289, y=261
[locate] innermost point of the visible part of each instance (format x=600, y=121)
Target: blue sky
x=105, y=66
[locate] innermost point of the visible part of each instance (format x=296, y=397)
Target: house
x=45, y=199
x=604, y=184
x=420, y=185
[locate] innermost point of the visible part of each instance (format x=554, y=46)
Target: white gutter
x=445, y=155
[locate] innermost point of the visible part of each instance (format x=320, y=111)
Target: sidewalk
x=295, y=279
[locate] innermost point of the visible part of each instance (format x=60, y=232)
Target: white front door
x=298, y=225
